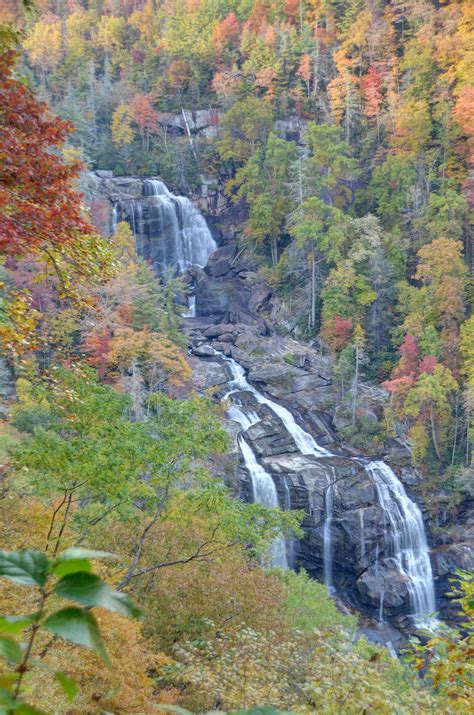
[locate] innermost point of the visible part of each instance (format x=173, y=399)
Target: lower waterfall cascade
x=406, y=539
x=328, y=504
x=404, y=532
x=264, y=492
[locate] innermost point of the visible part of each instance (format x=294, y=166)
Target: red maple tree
x=38, y=205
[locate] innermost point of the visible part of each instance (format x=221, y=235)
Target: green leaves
x=78, y=627
x=68, y=685
x=77, y=559
x=15, y=624
x=10, y=650
x=63, y=568
x=90, y=590
x=28, y=567
x=77, y=552
x=77, y=583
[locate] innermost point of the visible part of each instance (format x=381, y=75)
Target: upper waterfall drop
x=169, y=230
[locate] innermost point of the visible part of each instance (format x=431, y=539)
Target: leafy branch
x=67, y=576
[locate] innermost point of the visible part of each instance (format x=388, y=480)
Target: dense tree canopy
x=344, y=132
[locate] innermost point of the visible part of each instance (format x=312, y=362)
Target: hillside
x=236, y=362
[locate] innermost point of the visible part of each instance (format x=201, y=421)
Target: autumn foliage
x=38, y=207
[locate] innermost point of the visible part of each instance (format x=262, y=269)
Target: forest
x=338, y=136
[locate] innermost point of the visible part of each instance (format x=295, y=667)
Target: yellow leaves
x=110, y=32
x=159, y=358
x=79, y=25
x=72, y=155
x=447, y=657
x=18, y=322
x=85, y=260
x=43, y=44
x=420, y=443
x=122, y=130
x=455, y=47
x=144, y=21
x=413, y=126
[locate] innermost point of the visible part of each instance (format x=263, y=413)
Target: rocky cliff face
x=102, y=190
x=363, y=572
x=238, y=315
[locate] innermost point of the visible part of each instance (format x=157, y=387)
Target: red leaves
x=144, y=114
x=338, y=332
x=37, y=202
x=409, y=356
x=428, y=364
x=409, y=368
x=372, y=93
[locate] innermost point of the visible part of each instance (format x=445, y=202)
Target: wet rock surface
x=363, y=573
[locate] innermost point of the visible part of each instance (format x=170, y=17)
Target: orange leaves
x=304, y=68
x=464, y=114
x=226, y=31
x=371, y=86
x=159, y=359
x=144, y=114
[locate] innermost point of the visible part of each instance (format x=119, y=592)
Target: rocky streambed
x=363, y=570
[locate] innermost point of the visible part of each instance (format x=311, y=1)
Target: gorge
x=236, y=357
x=363, y=535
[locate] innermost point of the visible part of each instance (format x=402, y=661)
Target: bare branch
x=198, y=555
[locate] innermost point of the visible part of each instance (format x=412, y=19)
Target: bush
x=29, y=419
x=307, y=605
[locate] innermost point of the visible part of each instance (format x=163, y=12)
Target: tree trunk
x=348, y=111
x=188, y=132
x=43, y=77
x=316, y=65
x=313, y=288
x=468, y=444
x=356, y=386
x=455, y=438
x=274, y=248
x=92, y=97
x=433, y=433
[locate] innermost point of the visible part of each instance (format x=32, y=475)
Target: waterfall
x=290, y=542
x=263, y=486
x=114, y=218
x=404, y=533
x=405, y=538
x=362, y=532
x=264, y=492
x=382, y=596
x=191, y=310
x=303, y=440
x=168, y=229
x=327, y=544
